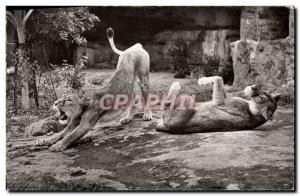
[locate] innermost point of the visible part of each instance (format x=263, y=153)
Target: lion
x=81, y=114
x=221, y=113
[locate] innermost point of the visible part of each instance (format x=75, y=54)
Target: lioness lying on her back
x=220, y=114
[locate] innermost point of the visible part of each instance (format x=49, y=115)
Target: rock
x=232, y=187
x=264, y=23
x=99, y=55
x=77, y=172
x=174, y=185
x=43, y=127
x=160, y=161
x=270, y=63
x=214, y=43
x=209, y=42
x=167, y=36
x=27, y=162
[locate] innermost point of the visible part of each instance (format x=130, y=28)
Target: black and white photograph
x=150, y=98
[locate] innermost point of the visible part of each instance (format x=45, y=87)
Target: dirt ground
x=136, y=157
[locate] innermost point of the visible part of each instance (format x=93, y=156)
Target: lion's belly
x=234, y=115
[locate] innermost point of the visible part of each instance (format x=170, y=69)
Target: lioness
x=220, y=114
x=82, y=114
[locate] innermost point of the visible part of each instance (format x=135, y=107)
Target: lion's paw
x=147, y=116
x=58, y=147
x=208, y=80
x=125, y=120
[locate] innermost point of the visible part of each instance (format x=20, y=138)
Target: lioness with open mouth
x=221, y=114
x=82, y=114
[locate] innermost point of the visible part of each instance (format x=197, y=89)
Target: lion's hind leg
x=145, y=87
x=129, y=113
x=178, y=110
x=218, y=88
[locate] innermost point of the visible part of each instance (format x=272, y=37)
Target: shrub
x=287, y=96
x=49, y=81
x=179, y=56
x=74, y=75
x=208, y=66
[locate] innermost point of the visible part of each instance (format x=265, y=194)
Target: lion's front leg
x=89, y=119
x=47, y=141
x=61, y=145
x=58, y=136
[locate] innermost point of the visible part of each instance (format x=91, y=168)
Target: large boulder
x=99, y=55
x=270, y=63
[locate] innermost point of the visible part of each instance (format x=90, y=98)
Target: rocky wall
x=157, y=28
x=264, y=23
x=209, y=42
x=270, y=63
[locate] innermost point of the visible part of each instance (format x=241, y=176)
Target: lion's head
x=262, y=102
x=69, y=106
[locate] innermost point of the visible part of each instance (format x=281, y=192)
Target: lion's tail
x=110, y=36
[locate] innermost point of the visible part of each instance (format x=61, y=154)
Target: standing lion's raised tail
x=110, y=36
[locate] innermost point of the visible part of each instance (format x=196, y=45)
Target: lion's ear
x=276, y=97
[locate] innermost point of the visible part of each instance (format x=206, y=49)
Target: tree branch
x=11, y=18
x=27, y=16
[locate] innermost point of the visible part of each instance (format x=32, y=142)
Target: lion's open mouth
x=63, y=115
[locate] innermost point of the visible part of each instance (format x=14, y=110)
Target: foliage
x=287, y=97
x=63, y=24
x=22, y=62
x=179, y=55
x=209, y=66
x=98, y=81
x=49, y=81
x=74, y=75
x=69, y=79
x=226, y=72
x=205, y=66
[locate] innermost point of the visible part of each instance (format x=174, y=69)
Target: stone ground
x=136, y=157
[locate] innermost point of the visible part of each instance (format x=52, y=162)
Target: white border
x=4, y=3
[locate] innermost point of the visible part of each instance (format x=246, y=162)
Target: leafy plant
x=63, y=24
x=208, y=66
x=74, y=75
x=49, y=81
x=179, y=57
x=56, y=24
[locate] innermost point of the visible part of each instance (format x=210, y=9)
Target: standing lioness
x=81, y=115
x=220, y=114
